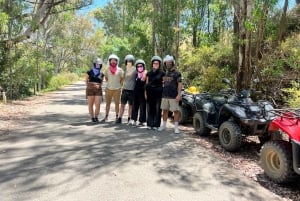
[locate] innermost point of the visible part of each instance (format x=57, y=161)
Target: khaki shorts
x=93, y=89
x=112, y=94
x=169, y=104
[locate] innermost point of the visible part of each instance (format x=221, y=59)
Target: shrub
x=293, y=97
x=61, y=80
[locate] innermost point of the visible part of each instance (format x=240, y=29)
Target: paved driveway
x=56, y=154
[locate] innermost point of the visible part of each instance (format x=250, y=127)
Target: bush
x=293, y=97
x=61, y=80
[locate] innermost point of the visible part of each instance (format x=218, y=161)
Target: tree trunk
x=154, y=3
x=177, y=29
x=282, y=24
x=244, y=73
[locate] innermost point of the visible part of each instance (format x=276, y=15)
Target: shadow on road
x=59, y=141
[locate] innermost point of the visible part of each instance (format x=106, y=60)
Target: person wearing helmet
x=128, y=86
x=139, y=101
x=171, y=94
x=94, y=80
x=153, y=93
x=114, y=76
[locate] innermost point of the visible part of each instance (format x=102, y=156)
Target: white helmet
x=169, y=58
x=156, y=58
x=98, y=61
x=140, y=61
x=129, y=57
x=113, y=56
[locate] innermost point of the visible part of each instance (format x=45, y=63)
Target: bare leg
x=97, y=105
x=122, y=108
x=165, y=115
x=129, y=111
x=176, y=116
x=91, y=100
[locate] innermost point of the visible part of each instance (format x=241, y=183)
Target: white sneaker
x=176, y=130
x=162, y=128
x=149, y=128
x=154, y=128
x=131, y=122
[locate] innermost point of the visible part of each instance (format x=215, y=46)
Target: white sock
x=164, y=124
x=176, y=124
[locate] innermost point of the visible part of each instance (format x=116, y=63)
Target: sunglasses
x=140, y=66
x=155, y=62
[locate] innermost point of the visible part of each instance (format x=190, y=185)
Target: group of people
x=150, y=95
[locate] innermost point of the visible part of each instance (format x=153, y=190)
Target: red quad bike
x=280, y=157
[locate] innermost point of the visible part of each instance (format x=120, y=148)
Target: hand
x=178, y=98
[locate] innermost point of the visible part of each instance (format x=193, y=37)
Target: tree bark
x=282, y=24
x=178, y=29
x=244, y=73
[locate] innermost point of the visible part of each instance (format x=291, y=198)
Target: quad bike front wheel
x=276, y=161
x=230, y=136
x=199, y=125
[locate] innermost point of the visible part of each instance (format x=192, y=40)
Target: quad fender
x=234, y=110
x=289, y=126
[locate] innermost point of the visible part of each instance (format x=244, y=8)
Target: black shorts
x=127, y=96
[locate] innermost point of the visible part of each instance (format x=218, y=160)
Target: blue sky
x=96, y=4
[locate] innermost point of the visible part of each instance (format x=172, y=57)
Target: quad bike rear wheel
x=199, y=125
x=230, y=136
x=276, y=161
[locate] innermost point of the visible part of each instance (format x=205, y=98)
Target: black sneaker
x=96, y=119
x=119, y=120
x=104, y=119
x=93, y=120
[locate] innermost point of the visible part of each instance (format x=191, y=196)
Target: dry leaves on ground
x=246, y=161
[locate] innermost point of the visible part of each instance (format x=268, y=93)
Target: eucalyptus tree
x=19, y=21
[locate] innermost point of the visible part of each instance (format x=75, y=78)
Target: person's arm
x=145, y=90
x=121, y=77
x=86, y=79
x=179, y=88
x=144, y=75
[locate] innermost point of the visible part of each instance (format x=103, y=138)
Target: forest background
x=45, y=44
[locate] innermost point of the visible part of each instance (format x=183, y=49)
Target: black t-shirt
x=139, y=86
x=171, y=80
x=155, y=83
x=95, y=78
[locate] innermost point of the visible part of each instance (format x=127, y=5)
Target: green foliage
x=206, y=66
x=61, y=80
x=212, y=79
x=293, y=97
x=291, y=49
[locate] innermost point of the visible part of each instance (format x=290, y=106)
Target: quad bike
x=280, y=157
x=187, y=104
x=233, y=115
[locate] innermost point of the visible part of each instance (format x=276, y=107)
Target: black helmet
x=129, y=57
